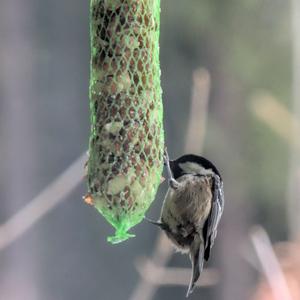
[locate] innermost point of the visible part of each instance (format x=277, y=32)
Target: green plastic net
x=127, y=140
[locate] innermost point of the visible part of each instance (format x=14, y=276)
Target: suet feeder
x=126, y=142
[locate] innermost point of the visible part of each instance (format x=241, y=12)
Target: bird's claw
x=166, y=157
x=173, y=183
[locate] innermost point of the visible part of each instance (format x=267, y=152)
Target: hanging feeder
x=126, y=142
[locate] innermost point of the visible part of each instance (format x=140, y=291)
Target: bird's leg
x=172, y=182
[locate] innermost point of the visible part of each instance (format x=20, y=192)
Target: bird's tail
x=197, y=259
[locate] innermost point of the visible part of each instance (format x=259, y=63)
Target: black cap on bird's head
x=191, y=163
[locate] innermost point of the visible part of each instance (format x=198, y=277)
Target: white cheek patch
x=193, y=168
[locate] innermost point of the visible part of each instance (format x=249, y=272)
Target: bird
x=192, y=208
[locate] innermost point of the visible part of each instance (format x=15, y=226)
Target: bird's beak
x=157, y=223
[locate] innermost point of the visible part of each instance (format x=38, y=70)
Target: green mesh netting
x=126, y=142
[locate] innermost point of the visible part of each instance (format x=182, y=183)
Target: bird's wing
x=210, y=227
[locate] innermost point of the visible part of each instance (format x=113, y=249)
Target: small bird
x=192, y=208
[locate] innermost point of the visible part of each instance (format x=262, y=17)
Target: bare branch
x=277, y=117
x=158, y=275
x=43, y=203
x=198, y=111
x=270, y=264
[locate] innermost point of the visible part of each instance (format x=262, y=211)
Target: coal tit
x=192, y=208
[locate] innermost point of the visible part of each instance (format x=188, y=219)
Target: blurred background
x=248, y=53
